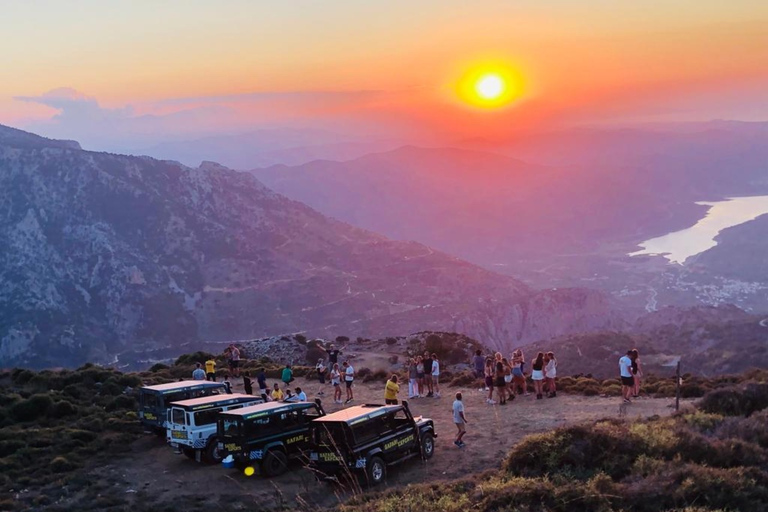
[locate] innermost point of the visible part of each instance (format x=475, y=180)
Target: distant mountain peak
x=13, y=137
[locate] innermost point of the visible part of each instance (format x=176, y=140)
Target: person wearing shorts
x=460, y=420
x=537, y=375
x=349, y=378
x=489, y=380
x=336, y=382
x=391, y=390
x=435, y=376
x=234, y=359
x=210, y=370
x=627, y=379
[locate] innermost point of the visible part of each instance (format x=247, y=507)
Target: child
x=227, y=384
x=459, y=419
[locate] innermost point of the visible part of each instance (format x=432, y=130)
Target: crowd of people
x=503, y=379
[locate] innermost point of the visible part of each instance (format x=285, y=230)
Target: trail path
x=158, y=474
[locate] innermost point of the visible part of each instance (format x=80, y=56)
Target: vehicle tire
x=427, y=445
x=376, y=471
x=212, y=454
x=189, y=452
x=275, y=463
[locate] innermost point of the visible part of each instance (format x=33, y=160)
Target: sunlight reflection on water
x=680, y=245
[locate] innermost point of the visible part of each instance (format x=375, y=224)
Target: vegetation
x=692, y=462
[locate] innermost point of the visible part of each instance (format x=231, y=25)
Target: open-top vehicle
x=192, y=423
x=155, y=400
x=365, y=439
x=266, y=436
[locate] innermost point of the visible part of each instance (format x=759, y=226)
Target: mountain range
x=105, y=253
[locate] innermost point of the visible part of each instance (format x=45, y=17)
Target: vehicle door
x=178, y=428
x=407, y=436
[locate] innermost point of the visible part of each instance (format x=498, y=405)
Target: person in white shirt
x=627, y=380
x=459, y=419
x=300, y=396
x=349, y=377
x=550, y=373
x=435, y=375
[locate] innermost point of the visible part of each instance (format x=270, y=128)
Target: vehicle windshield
x=178, y=417
x=229, y=427
x=150, y=400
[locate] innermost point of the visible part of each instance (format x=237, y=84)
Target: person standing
x=198, y=373
x=499, y=383
x=508, y=386
x=391, y=390
x=436, y=375
x=420, y=375
x=336, y=382
x=247, y=383
x=550, y=373
x=349, y=378
x=261, y=378
x=478, y=363
x=489, y=380
x=627, y=379
x=460, y=420
x=333, y=354
x=537, y=374
x=287, y=376
x=518, y=377
x=637, y=373
x=427, y=361
x=413, y=381
x=227, y=384
x=210, y=370
x=234, y=359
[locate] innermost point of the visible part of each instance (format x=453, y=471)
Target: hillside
x=107, y=253
x=70, y=440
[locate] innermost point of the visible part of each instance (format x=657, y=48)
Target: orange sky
x=590, y=61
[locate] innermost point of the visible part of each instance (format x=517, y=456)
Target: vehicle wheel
x=189, y=452
x=427, y=446
x=212, y=454
x=376, y=471
x=275, y=463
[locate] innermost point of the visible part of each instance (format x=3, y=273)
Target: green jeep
x=364, y=440
x=154, y=401
x=266, y=436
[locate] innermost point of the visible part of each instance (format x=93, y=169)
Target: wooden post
x=677, y=387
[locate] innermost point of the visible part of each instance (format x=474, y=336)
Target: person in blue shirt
x=198, y=373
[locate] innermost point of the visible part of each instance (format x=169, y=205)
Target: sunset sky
x=136, y=69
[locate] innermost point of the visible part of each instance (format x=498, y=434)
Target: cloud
x=75, y=106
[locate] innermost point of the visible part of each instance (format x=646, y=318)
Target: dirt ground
x=153, y=473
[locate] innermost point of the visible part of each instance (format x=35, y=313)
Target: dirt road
x=152, y=473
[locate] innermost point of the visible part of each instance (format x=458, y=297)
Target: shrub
x=194, y=357
x=60, y=465
x=393, y=359
x=300, y=338
x=314, y=353
x=391, y=341
x=342, y=339
x=34, y=407
x=61, y=409
x=736, y=401
x=121, y=402
x=158, y=367
x=463, y=379
x=363, y=372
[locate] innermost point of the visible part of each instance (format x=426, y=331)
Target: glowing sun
x=490, y=86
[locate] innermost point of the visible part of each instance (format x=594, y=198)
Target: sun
x=490, y=86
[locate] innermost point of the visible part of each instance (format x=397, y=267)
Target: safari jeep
x=192, y=424
x=266, y=436
x=154, y=400
x=364, y=440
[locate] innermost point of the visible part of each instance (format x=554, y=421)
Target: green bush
x=464, y=379
x=194, y=357
x=34, y=407
x=61, y=464
x=735, y=401
x=61, y=409
x=158, y=367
